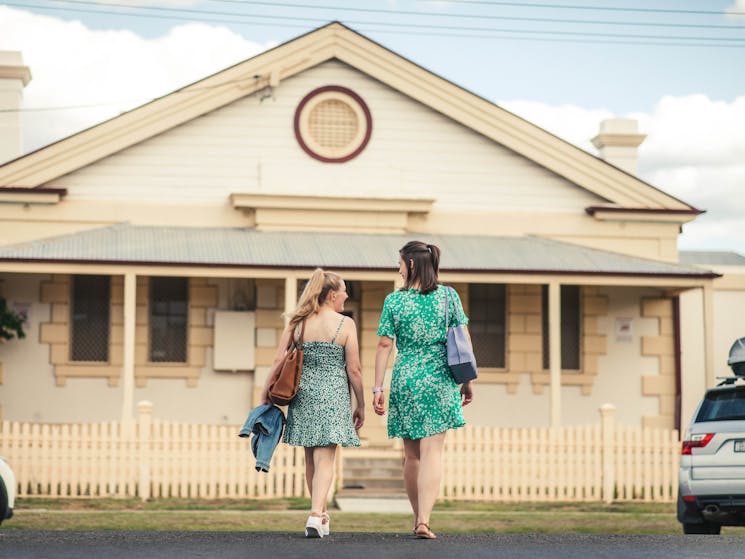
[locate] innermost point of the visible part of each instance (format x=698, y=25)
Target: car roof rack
x=726, y=381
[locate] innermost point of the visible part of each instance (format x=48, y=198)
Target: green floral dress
x=424, y=399
x=321, y=412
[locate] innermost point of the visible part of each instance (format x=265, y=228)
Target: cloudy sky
x=676, y=66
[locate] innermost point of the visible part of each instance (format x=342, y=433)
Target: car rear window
x=722, y=405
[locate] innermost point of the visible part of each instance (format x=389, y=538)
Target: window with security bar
x=487, y=323
x=89, y=318
x=570, y=327
x=169, y=310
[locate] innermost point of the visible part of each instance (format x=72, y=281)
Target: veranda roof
x=125, y=244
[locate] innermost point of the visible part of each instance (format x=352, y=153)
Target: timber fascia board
x=32, y=196
x=646, y=215
x=333, y=203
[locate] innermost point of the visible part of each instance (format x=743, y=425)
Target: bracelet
x=377, y=389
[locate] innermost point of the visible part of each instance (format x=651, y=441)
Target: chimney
x=617, y=142
x=13, y=78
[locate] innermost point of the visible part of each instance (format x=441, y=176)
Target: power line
x=557, y=39
x=407, y=25
x=586, y=7
x=388, y=27
x=482, y=16
x=384, y=30
x=180, y=10
x=72, y=107
x=561, y=33
x=153, y=16
x=181, y=90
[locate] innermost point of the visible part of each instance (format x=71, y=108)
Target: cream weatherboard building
x=155, y=253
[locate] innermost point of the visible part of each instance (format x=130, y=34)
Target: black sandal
x=421, y=534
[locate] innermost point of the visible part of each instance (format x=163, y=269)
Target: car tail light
x=696, y=441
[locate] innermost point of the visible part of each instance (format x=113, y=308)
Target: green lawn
x=290, y=514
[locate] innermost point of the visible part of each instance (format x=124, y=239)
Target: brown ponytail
x=426, y=265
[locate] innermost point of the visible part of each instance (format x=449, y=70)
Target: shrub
x=11, y=323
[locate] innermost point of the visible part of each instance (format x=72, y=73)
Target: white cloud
x=695, y=151
x=72, y=65
x=697, y=130
x=736, y=10
x=574, y=124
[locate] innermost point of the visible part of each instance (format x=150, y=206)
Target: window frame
x=475, y=334
x=578, y=333
x=167, y=360
x=74, y=299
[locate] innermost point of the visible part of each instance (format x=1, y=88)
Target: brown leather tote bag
x=287, y=378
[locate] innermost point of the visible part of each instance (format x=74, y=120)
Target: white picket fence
x=151, y=459
x=582, y=463
x=157, y=459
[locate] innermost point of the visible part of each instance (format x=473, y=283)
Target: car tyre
x=703, y=528
x=3, y=501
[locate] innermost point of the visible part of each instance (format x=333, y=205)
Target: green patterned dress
x=424, y=399
x=321, y=413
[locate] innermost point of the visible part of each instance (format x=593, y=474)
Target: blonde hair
x=316, y=290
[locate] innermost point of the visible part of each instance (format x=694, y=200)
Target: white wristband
x=377, y=389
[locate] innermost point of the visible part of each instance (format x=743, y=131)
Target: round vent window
x=333, y=124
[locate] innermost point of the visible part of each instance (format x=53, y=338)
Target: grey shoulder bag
x=461, y=359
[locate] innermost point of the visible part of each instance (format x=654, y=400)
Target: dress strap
x=338, y=329
x=298, y=335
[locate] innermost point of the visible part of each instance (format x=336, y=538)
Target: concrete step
x=367, y=500
x=373, y=463
x=375, y=451
x=372, y=471
x=374, y=483
x=369, y=493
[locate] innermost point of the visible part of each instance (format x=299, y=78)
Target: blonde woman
x=320, y=417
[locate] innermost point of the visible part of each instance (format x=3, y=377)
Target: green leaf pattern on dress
x=424, y=399
x=321, y=412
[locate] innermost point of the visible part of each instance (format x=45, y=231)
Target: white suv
x=7, y=490
x=712, y=466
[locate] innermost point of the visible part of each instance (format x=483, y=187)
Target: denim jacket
x=266, y=422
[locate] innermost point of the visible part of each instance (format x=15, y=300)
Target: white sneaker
x=326, y=526
x=314, y=527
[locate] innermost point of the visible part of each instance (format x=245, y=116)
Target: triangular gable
x=335, y=41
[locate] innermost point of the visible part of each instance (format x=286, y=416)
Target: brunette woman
x=425, y=401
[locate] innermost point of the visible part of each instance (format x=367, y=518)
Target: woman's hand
x=379, y=403
x=466, y=393
x=264, y=398
x=382, y=354
x=358, y=416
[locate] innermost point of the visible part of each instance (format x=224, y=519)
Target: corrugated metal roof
x=128, y=244
x=711, y=258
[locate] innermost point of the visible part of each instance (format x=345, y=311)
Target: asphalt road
x=32, y=544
